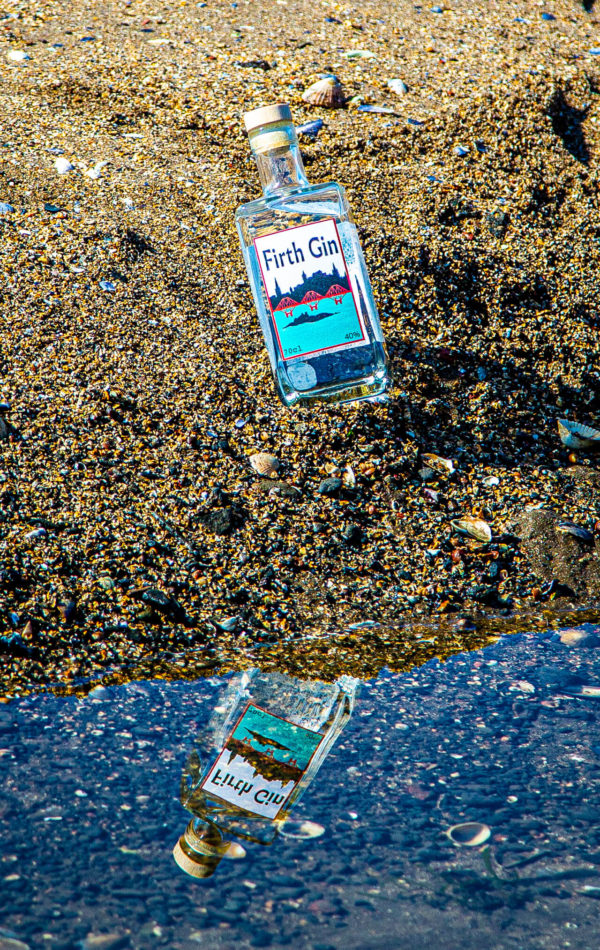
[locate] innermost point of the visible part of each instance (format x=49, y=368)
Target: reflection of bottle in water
x=264, y=744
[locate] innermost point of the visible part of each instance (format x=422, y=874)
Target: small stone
x=63, y=165
x=330, y=486
x=17, y=56
x=105, y=941
x=496, y=222
x=220, y=520
x=397, y=86
x=352, y=534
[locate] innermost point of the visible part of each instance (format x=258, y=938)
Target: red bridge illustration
x=312, y=299
x=287, y=304
x=337, y=293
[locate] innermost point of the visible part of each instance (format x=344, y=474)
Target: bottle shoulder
x=330, y=194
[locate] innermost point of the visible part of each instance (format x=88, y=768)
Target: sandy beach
x=135, y=384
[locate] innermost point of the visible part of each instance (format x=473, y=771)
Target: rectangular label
x=261, y=763
x=306, y=279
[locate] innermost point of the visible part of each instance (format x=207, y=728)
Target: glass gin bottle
x=308, y=275
x=264, y=745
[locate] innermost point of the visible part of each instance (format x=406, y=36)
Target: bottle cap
x=267, y=115
x=199, y=854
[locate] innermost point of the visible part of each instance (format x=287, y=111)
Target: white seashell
x=359, y=54
x=577, y=436
x=96, y=171
x=108, y=286
x=461, y=151
x=5, y=208
x=326, y=92
x=349, y=478
x=473, y=526
x=35, y=534
x=17, y=56
x=490, y=481
x=128, y=204
x=438, y=464
x=63, y=165
x=301, y=829
x=265, y=464
x=470, y=834
x=397, y=86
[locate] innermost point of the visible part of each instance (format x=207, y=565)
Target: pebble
x=330, y=486
x=63, y=165
x=17, y=56
x=398, y=86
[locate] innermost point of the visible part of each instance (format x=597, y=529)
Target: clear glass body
x=352, y=371
x=320, y=708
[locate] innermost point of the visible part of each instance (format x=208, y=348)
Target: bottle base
x=369, y=389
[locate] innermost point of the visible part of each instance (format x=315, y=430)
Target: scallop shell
x=475, y=527
x=265, y=464
x=577, y=436
x=471, y=834
x=326, y=92
x=438, y=464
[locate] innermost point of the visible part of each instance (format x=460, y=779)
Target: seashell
x=474, y=526
x=108, y=286
x=228, y=624
x=17, y=56
x=397, y=86
x=490, y=481
x=332, y=469
x=583, y=692
x=96, y=171
x=359, y=54
x=568, y=527
x=63, y=165
x=349, y=478
x=431, y=495
x=5, y=208
x=310, y=129
x=426, y=474
x=265, y=464
x=577, y=436
x=235, y=851
x=128, y=202
x=470, y=834
x=35, y=534
x=438, y=464
x=326, y=92
x=301, y=829
x=379, y=110
x=461, y=151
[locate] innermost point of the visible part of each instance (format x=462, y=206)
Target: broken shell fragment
x=63, y=165
x=326, y=92
x=577, y=436
x=471, y=834
x=475, y=527
x=568, y=527
x=438, y=464
x=397, y=86
x=349, y=478
x=265, y=464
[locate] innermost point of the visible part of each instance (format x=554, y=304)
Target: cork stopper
x=267, y=115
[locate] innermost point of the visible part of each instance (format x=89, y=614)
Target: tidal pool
x=505, y=738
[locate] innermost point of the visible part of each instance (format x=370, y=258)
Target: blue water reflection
x=90, y=811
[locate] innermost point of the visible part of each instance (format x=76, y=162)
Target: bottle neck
x=278, y=159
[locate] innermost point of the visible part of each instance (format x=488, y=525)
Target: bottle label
x=308, y=287
x=261, y=763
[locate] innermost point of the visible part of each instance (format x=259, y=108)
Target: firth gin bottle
x=308, y=275
x=264, y=745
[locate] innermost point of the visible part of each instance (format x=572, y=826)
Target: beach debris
x=469, y=834
x=36, y=534
x=63, y=165
x=128, y=203
x=578, y=637
x=108, y=286
x=379, y=110
x=265, y=464
x=254, y=64
x=397, y=86
x=327, y=92
x=438, y=464
x=5, y=208
x=461, y=151
x=17, y=56
x=95, y=171
x=569, y=527
x=52, y=209
x=577, y=436
x=301, y=829
x=490, y=481
x=348, y=477
x=475, y=527
x=310, y=129
x=583, y=691
x=359, y=54
x=548, y=16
